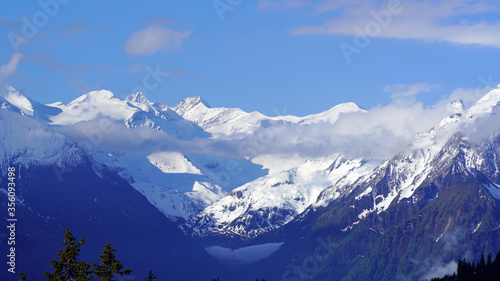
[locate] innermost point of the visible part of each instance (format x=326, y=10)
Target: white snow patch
x=364, y=193
x=440, y=236
x=477, y=227
x=350, y=226
x=173, y=162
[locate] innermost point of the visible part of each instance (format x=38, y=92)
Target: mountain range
x=193, y=186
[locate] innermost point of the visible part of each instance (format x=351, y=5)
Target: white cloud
x=440, y=270
x=453, y=243
x=436, y=21
x=378, y=133
x=402, y=90
x=243, y=255
x=155, y=38
x=9, y=69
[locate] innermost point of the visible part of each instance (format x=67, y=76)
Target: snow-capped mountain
x=274, y=200
x=18, y=135
x=420, y=210
x=216, y=170
x=455, y=138
x=135, y=111
x=179, y=183
x=58, y=185
x=231, y=121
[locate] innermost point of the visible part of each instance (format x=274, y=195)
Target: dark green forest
x=67, y=266
x=485, y=270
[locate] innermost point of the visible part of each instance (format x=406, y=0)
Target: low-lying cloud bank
x=377, y=133
x=244, y=255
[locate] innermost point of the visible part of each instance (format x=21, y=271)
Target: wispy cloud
x=403, y=91
x=155, y=38
x=432, y=21
x=74, y=72
x=9, y=69
x=281, y=5
x=307, y=6
x=136, y=68
x=454, y=244
x=379, y=133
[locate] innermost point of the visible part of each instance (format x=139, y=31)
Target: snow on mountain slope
x=228, y=121
x=19, y=134
x=91, y=106
x=445, y=143
x=173, y=163
x=6, y=105
x=331, y=115
x=167, y=179
x=271, y=189
x=17, y=100
x=485, y=105
x=218, y=121
x=181, y=185
x=278, y=162
x=135, y=111
x=234, y=123
x=272, y=201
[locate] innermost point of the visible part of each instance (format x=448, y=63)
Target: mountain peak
x=189, y=104
x=102, y=94
x=346, y=107
x=486, y=103
x=332, y=114
x=94, y=96
x=138, y=98
x=493, y=95
x=194, y=101
x=456, y=106
x=15, y=98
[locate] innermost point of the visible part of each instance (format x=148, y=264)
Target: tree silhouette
x=68, y=267
x=482, y=271
x=150, y=277
x=22, y=276
x=109, y=266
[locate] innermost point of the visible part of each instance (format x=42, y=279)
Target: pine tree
x=68, y=267
x=22, y=276
x=109, y=266
x=150, y=277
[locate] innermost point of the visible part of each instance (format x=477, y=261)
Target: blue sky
x=305, y=56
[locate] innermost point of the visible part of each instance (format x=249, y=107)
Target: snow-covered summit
x=27, y=142
x=138, y=98
x=93, y=97
x=486, y=104
x=456, y=106
x=190, y=104
x=16, y=99
x=445, y=144
x=271, y=201
x=331, y=115
x=92, y=106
